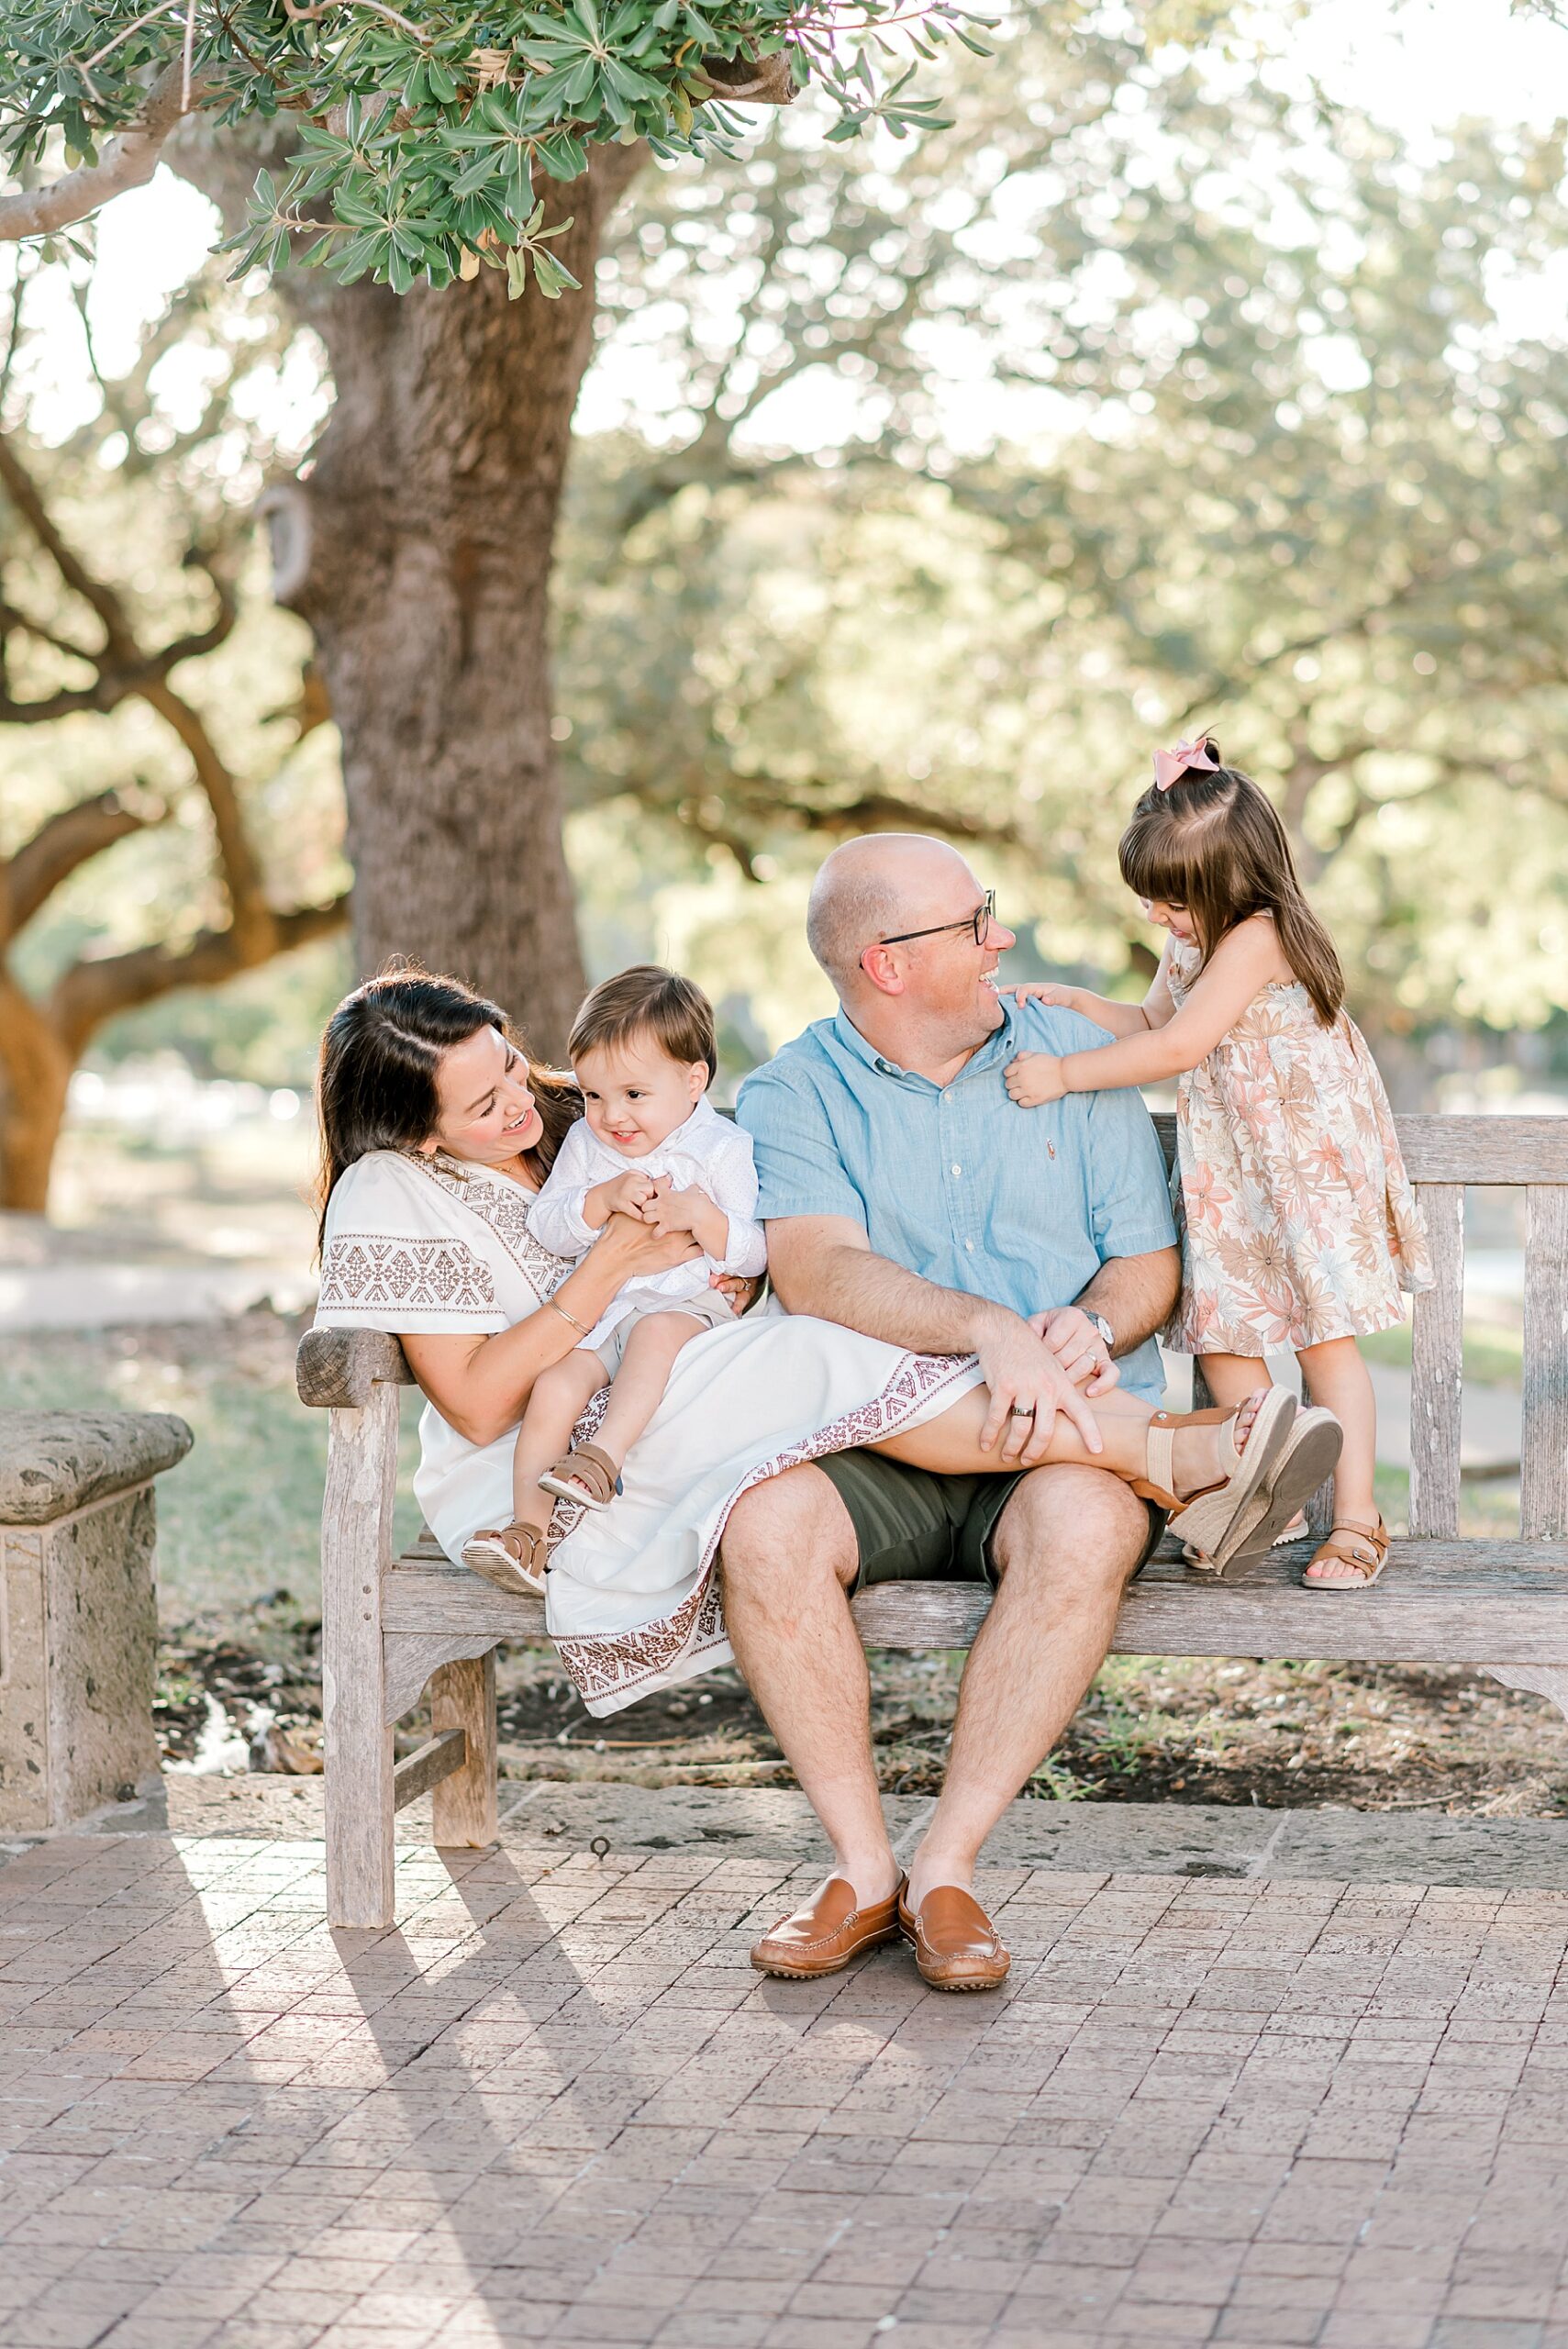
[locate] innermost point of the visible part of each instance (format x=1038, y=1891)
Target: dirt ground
x=1152, y=1729
x=241, y=1674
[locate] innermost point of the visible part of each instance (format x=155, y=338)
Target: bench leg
x=360, y=1848
x=462, y=1696
x=356, y=1550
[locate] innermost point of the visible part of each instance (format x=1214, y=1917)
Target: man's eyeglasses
x=977, y=924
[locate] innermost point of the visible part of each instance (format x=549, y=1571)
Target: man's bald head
x=870, y=888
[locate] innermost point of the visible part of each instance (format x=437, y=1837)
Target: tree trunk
x=422, y=562
x=34, y=1076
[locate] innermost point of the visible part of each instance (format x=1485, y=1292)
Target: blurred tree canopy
x=1151, y=407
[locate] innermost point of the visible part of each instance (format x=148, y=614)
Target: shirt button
x=969, y=1247
x=956, y=1167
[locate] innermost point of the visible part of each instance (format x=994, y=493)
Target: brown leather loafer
x=956, y=1945
x=827, y=1933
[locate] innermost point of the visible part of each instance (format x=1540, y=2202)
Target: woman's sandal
x=1350, y=1544
x=1296, y=1530
x=586, y=1475
x=1216, y=1520
x=1307, y=1458
x=509, y=1556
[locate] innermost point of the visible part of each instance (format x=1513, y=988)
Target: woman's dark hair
x=375, y=1086
x=1212, y=844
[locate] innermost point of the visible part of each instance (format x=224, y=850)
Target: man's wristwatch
x=1107, y=1335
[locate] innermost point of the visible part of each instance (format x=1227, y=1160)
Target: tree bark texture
x=421, y=558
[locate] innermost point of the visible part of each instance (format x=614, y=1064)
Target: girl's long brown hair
x=375, y=1086
x=1214, y=845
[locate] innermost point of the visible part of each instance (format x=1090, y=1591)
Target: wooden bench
x=394, y=1625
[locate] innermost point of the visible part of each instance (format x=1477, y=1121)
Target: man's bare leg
x=1063, y=1548
x=787, y=1561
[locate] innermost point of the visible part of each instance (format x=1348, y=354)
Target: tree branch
x=22, y=492
x=66, y=841
x=241, y=876
x=128, y=160
x=91, y=991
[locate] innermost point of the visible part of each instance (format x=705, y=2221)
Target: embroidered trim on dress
x=366, y=1271
x=504, y=1207
x=627, y=1665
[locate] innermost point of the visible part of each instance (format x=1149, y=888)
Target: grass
x=1494, y=1351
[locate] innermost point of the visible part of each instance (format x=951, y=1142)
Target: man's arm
x=1134, y=1295
x=824, y=1264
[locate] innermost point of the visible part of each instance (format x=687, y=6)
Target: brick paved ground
x=555, y=2103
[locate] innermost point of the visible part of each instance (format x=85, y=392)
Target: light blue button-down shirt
x=956, y=1182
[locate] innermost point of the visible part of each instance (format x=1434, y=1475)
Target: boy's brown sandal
x=1350, y=1544
x=511, y=1556
x=827, y=1933
x=586, y=1475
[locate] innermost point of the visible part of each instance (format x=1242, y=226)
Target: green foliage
x=422, y=142
x=1262, y=446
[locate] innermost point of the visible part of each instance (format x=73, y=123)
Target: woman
x=436, y=1137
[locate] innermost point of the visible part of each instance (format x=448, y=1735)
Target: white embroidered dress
x=418, y=1245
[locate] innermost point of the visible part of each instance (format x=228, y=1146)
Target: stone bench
x=78, y=1607
x=392, y=1624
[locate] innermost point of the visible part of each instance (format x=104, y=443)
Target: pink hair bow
x=1170, y=766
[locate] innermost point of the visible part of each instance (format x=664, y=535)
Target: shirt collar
x=996, y=1047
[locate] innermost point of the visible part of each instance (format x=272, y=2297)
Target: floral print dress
x=1298, y=1220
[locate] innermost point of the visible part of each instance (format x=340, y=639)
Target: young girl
x=1300, y=1226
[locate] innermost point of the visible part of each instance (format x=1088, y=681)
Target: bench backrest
x=1444, y=1156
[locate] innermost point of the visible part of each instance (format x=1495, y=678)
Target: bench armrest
x=335, y=1369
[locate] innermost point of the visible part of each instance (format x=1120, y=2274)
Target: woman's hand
x=742, y=1293
x=1035, y=1078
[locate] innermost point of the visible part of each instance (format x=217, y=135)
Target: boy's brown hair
x=648, y=1001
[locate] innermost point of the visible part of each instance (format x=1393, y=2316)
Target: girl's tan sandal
x=1216, y=1521
x=586, y=1475
x=1350, y=1544
x=511, y=1556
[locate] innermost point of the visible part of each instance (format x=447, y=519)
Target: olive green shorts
x=912, y=1526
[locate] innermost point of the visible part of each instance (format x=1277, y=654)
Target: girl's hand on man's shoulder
x=1050, y=991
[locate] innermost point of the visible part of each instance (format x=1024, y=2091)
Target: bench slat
x=1503, y=1151
x=1437, y=1368
x=1543, y=1484
x=1457, y=1602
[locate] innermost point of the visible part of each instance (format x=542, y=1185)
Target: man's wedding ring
x=1023, y=1411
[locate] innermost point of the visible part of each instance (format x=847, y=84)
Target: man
x=905, y=1197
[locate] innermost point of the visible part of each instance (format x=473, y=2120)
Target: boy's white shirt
x=708, y=1153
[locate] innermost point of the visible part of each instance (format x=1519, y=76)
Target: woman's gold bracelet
x=581, y=1326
